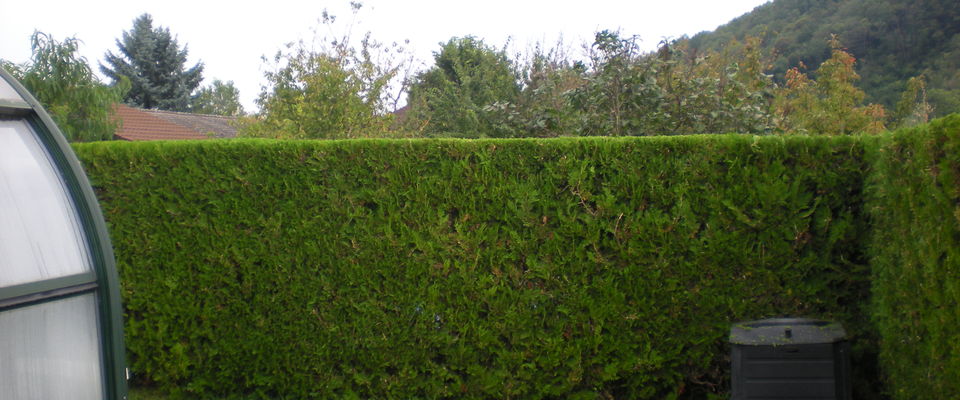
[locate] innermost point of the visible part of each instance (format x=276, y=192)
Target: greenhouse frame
x=61, y=324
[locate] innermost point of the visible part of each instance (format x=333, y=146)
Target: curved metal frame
x=104, y=280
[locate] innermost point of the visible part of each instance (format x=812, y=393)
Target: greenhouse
x=60, y=318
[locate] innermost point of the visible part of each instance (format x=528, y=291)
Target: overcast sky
x=230, y=37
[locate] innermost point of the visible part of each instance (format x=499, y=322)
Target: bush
x=573, y=268
x=915, y=254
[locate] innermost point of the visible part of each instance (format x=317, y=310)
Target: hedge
x=914, y=200
x=561, y=268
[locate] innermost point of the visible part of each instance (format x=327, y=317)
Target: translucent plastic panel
x=7, y=92
x=40, y=237
x=51, y=351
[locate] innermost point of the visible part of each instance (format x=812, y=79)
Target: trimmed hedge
x=562, y=268
x=915, y=255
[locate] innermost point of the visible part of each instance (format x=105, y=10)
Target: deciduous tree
x=64, y=83
x=543, y=107
x=219, y=99
x=628, y=92
x=621, y=95
x=337, y=91
x=715, y=92
x=830, y=104
x=913, y=108
x=452, y=97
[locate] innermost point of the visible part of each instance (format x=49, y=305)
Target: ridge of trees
x=338, y=87
x=476, y=90
x=473, y=89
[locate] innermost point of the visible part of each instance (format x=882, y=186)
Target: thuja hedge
x=564, y=268
x=915, y=255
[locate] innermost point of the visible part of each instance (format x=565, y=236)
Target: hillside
x=893, y=41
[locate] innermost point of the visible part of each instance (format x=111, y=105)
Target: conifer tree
x=154, y=63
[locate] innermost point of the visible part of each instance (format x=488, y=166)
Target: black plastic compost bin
x=790, y=358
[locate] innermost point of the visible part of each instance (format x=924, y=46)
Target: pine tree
x=154, y=63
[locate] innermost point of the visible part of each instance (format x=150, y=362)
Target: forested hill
x=893, y=40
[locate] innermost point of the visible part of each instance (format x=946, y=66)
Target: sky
x=230, y=37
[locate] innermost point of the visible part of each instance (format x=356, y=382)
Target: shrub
x=574, y=268
x=915, y=255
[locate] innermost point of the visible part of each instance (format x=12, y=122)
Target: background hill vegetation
x=893, y=40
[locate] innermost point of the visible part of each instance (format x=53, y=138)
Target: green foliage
x=218, y=99
x=316, y=96
x=915, y=255
x=717, y=92
x=562, y=268
x=151, y=59
x=621, y=91
x=543, y=107
x=335, y=92
x=621, y=95
x=672, y=91
x=453, y=96
x=61, y=80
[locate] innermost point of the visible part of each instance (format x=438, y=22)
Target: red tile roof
x=140, y=124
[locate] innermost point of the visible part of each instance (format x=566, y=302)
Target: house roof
x=140, y=124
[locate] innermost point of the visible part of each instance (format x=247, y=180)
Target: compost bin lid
x=785, y=331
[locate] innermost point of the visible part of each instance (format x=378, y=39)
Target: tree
x=894, y=40
x=830, y=104
x=219, y=99
x=621, y=95
x=621, y=90
x=63, y=82
x=714, y=92
x=154, y=64
x=913, y=108
x=543, y=107
x=336, y=92
x=453, y=95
